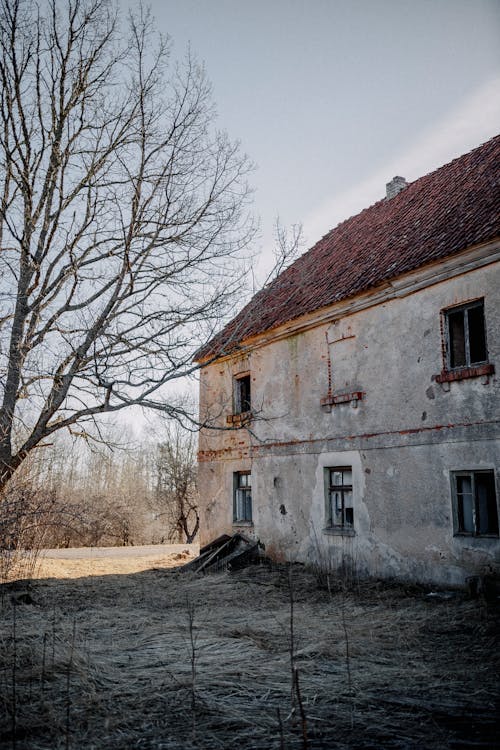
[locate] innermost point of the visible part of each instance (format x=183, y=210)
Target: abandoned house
x=358, y=391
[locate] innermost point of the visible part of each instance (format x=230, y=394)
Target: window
x=242, y=401
x=242, y=500
x=339, y=510
x=465, y=336
x=474, y=503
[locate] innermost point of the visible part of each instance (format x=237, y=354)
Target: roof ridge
x=384, y=199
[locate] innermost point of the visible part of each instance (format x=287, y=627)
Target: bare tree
x=176, y=493
x=122, y=211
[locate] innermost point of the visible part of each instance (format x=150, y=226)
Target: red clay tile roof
x=449, y=210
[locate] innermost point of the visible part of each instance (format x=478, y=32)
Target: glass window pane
x=337, y=518
x=336, y=478
x=487, y=522
x=477, y=338
x=337, y=509
x=465, y=504
x=348, y=510
x=456, y=338
x=239, y=504
x=337, y=501
x=329, y=512
x=243, y=480
x=242, y=510
x=248, y=506
x=347, y=476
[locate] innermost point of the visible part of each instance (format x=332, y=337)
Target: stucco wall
x=403, y=438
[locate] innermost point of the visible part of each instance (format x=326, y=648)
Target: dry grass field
x=262, y=658
x=94, y=565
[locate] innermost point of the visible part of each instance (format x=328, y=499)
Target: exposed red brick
x=448, y=376
x=342, y=398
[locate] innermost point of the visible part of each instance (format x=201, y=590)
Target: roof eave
x=399, y=286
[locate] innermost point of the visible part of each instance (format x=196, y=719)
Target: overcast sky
x=332, y=98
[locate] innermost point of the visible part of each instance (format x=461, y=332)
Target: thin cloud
x=475, y=121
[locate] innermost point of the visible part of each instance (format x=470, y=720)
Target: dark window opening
x=242, y=401
x=242, y=498
x=466, y=336
x=339, y=508
x=475, y=503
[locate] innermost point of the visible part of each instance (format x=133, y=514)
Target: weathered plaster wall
x=402, y=439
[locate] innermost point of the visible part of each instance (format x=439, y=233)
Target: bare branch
x=123, y=215
x=287, y=247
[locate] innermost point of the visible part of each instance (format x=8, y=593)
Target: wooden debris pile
x=227, y=552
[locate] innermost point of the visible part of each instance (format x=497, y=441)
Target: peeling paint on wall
x=406, y=436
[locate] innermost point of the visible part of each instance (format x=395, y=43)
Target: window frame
x=242, y=393
x=464, y=309
x=344, y=527
x=245, y=490
x=458, y=508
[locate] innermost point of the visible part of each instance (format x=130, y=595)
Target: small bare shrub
x=29, y=518
x=22, y=519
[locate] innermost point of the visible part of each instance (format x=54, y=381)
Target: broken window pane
x=339, y=506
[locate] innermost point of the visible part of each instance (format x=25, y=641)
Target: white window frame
x=242, y=498
x=464, y=309
x=472, y=527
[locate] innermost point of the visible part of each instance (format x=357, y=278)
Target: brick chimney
x=395, y=186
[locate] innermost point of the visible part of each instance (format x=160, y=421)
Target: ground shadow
x=265, y=657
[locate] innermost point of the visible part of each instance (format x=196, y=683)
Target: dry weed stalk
x=68, y=684
x=14, y=678
x=191, y=611
x=294, y=672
